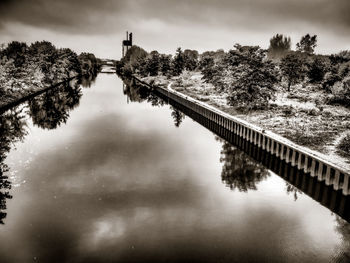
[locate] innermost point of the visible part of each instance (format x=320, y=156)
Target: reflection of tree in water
x=48, y=110
x=177, y=115
x=51, y=109
x=293, y=190
x=140, y=93
x=239, y=171
x=343, y=228
x=12, y=130
x=87, y=81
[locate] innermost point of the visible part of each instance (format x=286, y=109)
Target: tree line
x=24, y=67
x=250, y=74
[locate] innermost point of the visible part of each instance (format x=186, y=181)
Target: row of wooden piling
x=280, y=147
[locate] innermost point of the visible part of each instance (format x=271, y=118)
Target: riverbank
x=18, y=99
x=304, y=120
x=28, y=70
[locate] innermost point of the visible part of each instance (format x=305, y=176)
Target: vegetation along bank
x=26, y=69
x=298, y=94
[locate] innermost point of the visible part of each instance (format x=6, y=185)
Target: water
x=104, y=177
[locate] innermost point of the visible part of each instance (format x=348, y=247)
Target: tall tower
x=126, y=43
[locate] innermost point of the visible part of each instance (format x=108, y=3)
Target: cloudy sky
x=99, y=26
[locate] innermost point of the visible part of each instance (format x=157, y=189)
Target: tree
x=165, y=64
x=317, y=69
x=279, y=46
x=252, y=77
x=178, y=62
x=307, y=44
x=207, y=66
x=292, y=68
x=152, y=63
x=190, y=59
x=16, y=51
x=214, y=73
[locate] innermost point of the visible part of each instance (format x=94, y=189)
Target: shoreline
x=288, y=117
x=340, y=164
x=24, y=98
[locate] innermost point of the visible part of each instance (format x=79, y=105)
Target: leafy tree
x=178, y=64
x=279, y=46
x=252, y=77
x=318, y=69
x=89, y=64
x=307, y=44
x=207, y=66
x=17, y=51
x=133, y=55
x=214, y=73
x=165, y=64
x=292, y=68
x=190, y=59
x=153, y=63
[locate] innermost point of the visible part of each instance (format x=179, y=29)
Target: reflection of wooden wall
x=313, y=186
x=283, y=149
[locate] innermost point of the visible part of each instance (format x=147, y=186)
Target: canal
x=105, y=172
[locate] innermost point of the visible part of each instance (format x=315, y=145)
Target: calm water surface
x=102, y=177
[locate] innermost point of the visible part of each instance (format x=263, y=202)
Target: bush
x=317, y=69
x=344, y=145
x=341, y=93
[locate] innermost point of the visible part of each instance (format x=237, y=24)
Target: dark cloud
x=64, y=15
x=104, y=15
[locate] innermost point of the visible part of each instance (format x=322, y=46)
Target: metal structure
x=127, y=43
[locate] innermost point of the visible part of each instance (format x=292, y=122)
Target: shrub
x=318, y=69
x=344, y=145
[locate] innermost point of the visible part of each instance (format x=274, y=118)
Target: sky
x=100, y=26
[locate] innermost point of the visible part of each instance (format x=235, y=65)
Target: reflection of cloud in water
x=108, y=200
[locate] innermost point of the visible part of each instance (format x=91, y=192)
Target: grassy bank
x=25, y=69
x=307, y=121
x=300, y=95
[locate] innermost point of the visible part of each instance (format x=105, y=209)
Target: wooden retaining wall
x=297, y=156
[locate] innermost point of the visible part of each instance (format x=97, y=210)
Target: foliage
x=207, y=66
x=307, y=44
x=178, y=64
x=341, y=92
x=214, y=73
x=133, y=56
x=165, y=64
x=252, y=77
x=279, y=46
x=25, y=69
x=293, y=68
x=218, y=56
x=344, y=145
x=89, y=64
x=317, y=69
x=190, y=59
x=153, y=63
